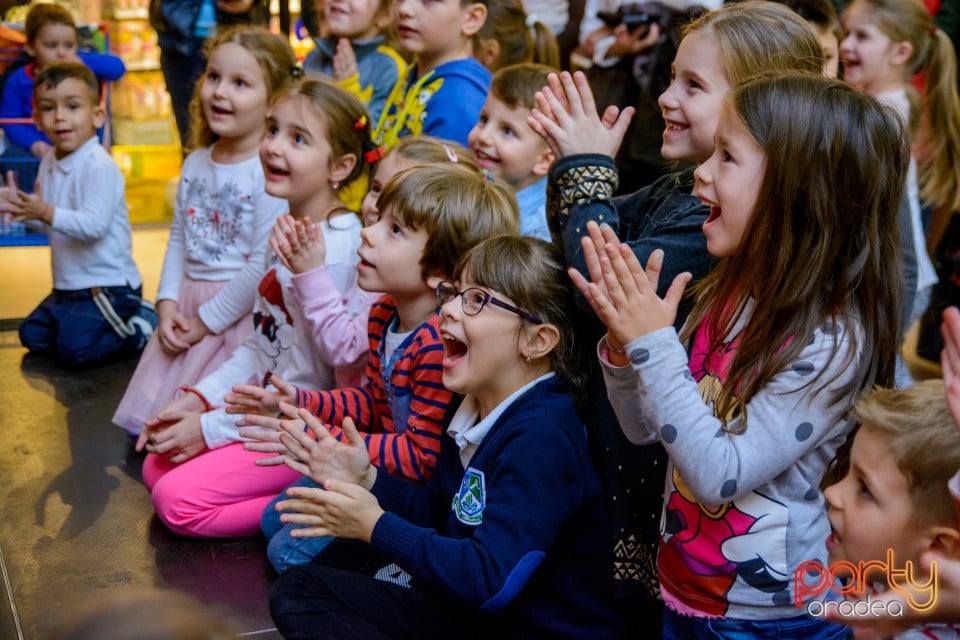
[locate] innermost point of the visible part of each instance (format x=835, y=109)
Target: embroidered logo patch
x=469, y=502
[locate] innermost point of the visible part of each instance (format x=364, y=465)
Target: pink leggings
x=220, y=493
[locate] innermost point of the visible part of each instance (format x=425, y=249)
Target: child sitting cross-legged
x=893, y=504
x=429, y=215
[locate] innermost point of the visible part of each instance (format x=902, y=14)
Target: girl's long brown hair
x=822, y=243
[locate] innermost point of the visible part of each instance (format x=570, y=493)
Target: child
x=508, y=538
x=95, y=311
x=887, y=42
x=354, y=52
x=308, y=320
x=51, y=37
x=510, y=36
x=751, y=416
x=444, y=89
x=430, y=215
x=719, y=51
x=506, y=146
x=823, y=18
x=894, y=497
x=222, y=220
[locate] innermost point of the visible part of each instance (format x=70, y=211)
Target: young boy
x=505, y=145
x=51, y=37
x=93, y=312
x=893, y=504
x=430, y=215
x=445, y=86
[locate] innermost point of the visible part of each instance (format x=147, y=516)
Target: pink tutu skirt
x=158, y=373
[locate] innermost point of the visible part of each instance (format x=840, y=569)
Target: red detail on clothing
x=272, y=291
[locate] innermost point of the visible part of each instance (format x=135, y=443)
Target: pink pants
x=220, y=493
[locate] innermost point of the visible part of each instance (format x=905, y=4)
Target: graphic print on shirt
x=213, y=220
x=469, y=502
x=408, y=116
x=272, y=320
x=708, y=549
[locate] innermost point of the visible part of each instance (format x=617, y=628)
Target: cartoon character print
x=709, y=547
x=271, y=319
x=213, y=220
x=408, y=116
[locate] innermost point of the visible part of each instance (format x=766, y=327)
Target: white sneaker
x=136, y=324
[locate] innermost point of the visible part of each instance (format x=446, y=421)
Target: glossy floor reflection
x=75, y=520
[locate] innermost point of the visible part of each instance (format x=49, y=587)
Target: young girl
x=222, y=220
x=510, y=36
x=799, y=317
x=284, y=550
x=355, y=53
x=887, y=42
x=443, y=91
x=509, y=535
x=310, y=325
x=719, y=51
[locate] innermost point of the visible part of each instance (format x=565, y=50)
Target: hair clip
x=451, y=154
x=489, y=177
x=296, y=71
x=373, y=155
x=531, y=21
x=933, y=31
x=360, y=123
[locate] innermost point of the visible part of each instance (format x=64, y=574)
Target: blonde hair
x=430, y=150
x=938, y=142
x=455, y=205
x=761, y=37
x=272, y=53
x=517, y=84
x=918, y=429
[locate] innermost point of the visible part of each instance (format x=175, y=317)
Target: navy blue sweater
x=522, y=532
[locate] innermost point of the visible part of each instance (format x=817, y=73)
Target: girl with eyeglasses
x=511, y=533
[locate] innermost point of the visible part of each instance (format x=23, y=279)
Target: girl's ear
x=488, y=52
x=901, y=52
x=341, y=169
x=945, y=541
x=540, y=340
x=474, y=19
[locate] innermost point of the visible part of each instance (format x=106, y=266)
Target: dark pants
x=336, y=596
x=79, y=330
x=181, y=74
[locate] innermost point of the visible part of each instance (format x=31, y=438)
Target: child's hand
x=341, y=509
x=630, y=44
x=627, y=302
x=566, y=118
x=251, y=399
x=323, y=457
x=264, y=433
x=194, y=332
x=31, y=206
x=186, y=402
x=170, y=327
x=39, y=148
x=180, y=439
x=950, y=360
x=344, y=60
x=299, y=244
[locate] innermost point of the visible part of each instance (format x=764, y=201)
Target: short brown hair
x=41, y=15
x=456, y=206
x=516, y=85
x=921, y=434
x=60, y=71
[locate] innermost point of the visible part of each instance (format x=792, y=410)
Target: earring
x=334, y=184
x=528, y=359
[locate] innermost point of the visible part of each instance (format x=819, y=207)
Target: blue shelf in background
x=16, y=234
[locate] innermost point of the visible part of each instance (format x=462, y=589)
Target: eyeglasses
x=473, y=300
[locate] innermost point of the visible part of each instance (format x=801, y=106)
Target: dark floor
x=75, y=520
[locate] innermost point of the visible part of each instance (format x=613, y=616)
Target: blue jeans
x=283, y=550
x=677, y=626
x=80, y=329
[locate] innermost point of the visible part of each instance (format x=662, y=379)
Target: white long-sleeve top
x=90, y=236
x=221, y=226
x=309, y=329
x=742, y=510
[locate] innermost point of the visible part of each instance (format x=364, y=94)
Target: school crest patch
x=469, y=502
